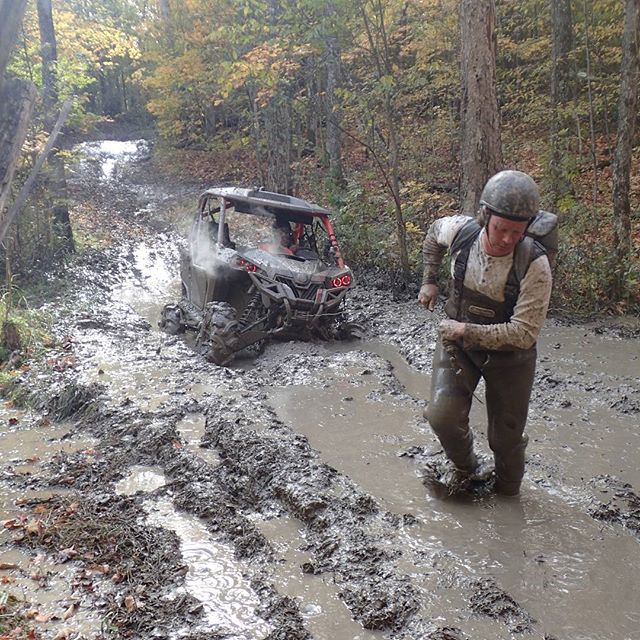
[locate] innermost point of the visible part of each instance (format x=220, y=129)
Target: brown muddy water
x=569, y=571
x=562, y=566
x=360, y=406
x=27, y=443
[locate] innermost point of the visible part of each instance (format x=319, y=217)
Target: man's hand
x=451, y=330
x=428, y=296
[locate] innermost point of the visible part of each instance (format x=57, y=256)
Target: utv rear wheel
x=218, y=335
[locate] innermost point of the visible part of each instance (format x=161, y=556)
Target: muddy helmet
x=512, y=195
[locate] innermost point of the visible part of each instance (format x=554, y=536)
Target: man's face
x=503, y=235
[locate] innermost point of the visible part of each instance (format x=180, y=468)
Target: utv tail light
x=246, y=265
x=341, y=281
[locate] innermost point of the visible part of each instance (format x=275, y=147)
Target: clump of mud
x=74, y=400
x=623, y=507
x=447, y=633
x=441, y=477
x=282, y=610
x=488, y=599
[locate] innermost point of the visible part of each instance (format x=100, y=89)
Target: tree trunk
x=256, y=132
x=561, y=93
x=16, y=106
x=394, y=165
x=11, y=14
x=17, y=98
x=332, y=112
x=164, y=9
x=627, y=115
x=56, y=180
x=383, y=61
x=481, y=147
x=278, y=151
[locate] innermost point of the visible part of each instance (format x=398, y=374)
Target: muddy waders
x=508, y=377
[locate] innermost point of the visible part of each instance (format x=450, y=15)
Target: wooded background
x=391, y=112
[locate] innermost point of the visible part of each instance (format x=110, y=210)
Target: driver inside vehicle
x=283, y=237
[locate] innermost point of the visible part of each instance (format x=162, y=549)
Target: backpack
x=544, y=229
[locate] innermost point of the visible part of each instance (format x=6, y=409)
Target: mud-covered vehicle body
x=259, y=264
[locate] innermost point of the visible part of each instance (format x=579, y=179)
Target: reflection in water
x=151, y=283
x=215, y=577
x=107, y=155
x=141, y=479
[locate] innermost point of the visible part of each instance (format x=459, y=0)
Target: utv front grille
x=302, y=292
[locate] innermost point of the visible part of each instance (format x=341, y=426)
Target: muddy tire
x=350, y=331
x=218, y=335
x=172, y=319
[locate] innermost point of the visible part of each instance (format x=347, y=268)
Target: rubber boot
x=507, y=488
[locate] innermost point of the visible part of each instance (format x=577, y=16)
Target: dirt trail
x=150, y=494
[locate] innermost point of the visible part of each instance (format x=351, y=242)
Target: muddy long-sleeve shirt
x=488, y=275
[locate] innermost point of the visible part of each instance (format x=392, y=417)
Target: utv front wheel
x=218, y=335
x=172, y=319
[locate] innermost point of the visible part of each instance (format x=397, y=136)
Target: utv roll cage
x=266, y=204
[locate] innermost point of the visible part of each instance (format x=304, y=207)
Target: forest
x=240, y=445
x=390, y=112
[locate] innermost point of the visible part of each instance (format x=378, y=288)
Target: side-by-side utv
x=259, y=265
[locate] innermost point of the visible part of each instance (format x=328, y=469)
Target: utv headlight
x=341, y=281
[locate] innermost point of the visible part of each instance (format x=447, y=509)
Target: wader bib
x=508, y=374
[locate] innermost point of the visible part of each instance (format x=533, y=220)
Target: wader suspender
x=526, y=251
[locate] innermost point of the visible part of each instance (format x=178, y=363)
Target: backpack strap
x=461, y=245
x=526, y=251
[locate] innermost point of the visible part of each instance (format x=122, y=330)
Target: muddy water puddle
x=358, y=436
x=55, y=610
x=326, y=616
x=103, y=159
x=26, y=443
x=152, y=282
x=214, y=577
x=563, y=567
x=588, y=422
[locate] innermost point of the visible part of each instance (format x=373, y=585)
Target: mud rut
x=150, y=494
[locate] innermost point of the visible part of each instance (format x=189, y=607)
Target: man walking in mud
x=499, y=295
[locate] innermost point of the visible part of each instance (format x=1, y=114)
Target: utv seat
x=307, y=254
